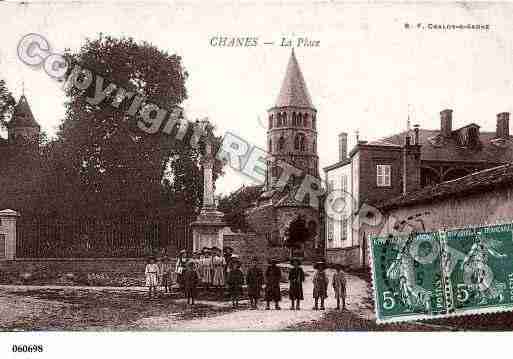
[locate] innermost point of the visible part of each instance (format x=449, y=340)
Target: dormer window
x=468, y=136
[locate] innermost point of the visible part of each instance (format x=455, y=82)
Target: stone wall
x=247, y=246
x=261, y=219
x=348, y=256
x=8, y=220
x=486, y=207
x=87, y=271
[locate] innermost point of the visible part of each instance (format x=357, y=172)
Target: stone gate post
x=8, y=219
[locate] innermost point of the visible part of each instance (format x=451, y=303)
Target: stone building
x=291, y=138
x=22, y=128
x=403, y=164
x=480, y=198
x=19, y=158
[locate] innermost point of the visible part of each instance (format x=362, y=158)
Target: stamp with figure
x=408, y=280
x=441, y=274
x=480, y=269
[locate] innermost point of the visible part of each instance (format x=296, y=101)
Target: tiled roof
x=472, y=183
x=293, y=89
x=337, y=165
x=435, y=147
x=22, y=116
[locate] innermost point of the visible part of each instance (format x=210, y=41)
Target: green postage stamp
x=442, y=274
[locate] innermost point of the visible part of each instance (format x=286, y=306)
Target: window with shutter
x=383, y=175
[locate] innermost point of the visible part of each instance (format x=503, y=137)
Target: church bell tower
x=292, y=128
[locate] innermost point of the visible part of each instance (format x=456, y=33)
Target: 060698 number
x=23, y=348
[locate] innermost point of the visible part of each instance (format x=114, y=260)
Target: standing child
x=201, y=262
x=151, y=272
x=159, y=273
x=235, y=282
x=272, y=285
x=218, y=264
x=197, y=264
x=207, y=279
x=320, y=282
x=296, y=279
x=180, y=267
x=254, y=280
x=339, y=286
x=190, y=282
x=167, y=280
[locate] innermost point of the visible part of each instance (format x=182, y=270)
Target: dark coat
x=254, y=280
x=296, y=279
x=272, y=285
x=190, y=282
x=320, y=282
x=235, y=282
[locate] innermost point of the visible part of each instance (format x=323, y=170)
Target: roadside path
x=15, y=307
x=265, y=320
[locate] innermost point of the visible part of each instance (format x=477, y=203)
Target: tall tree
x=7, y=103
x=112, y=160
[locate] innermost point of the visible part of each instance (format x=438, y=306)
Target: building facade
x=403, y=164
x=480, y=198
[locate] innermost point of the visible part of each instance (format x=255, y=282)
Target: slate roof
x=22, y=116
x=435, y=147
x=475, y=182
x=293, y=90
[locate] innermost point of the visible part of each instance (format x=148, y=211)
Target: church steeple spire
x=293, y=90
x=22, y=116
x=23, y=124
x=292, y=131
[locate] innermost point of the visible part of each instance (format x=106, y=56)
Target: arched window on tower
x=314, y=121
x=284, y=119
x=275, y=171
x=281, y=143
x=294, y=119
x=270, y=145
x=305, y=119
x=314, y=145
x=271, y=121
x=300, y=142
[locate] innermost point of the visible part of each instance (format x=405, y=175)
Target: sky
x=369, y=72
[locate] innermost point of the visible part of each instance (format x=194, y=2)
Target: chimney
x=342, y=146
x=503, y=125
x=410, y=164
x=416, y=135
x=446, y=122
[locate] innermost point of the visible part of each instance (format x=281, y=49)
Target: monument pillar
x=206, y=230
x=8, y=219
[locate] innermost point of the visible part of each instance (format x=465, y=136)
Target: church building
x=291, y=227
x=19, y=157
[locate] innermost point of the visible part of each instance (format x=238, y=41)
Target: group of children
x=159, y=273
x=210, y=268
